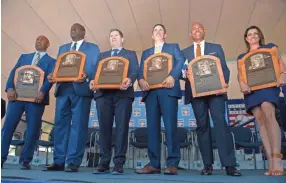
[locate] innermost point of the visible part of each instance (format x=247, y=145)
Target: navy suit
x=34, y=111
x=216, y=106
x=73, y=104
x=163, y=102
x=116, y=103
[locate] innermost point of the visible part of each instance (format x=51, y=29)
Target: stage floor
x=12, y=173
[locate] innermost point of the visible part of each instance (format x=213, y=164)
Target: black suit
x=216, y=106
x=116, y=103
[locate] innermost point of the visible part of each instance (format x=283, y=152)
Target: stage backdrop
x=235, y=110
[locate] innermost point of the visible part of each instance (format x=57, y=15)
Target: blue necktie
x=115, y=52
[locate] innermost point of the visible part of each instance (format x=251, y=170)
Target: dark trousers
x=109, y=106
x=216, y=106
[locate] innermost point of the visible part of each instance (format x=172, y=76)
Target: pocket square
x=212, y=53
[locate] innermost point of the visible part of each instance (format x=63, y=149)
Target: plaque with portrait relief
x=206, y=76
x=111, y=72
x=260, y=68
x=28, y=81
x=69, y=66
x=157, y=68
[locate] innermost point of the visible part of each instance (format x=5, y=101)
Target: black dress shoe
x=55, y=167
x=118, y=169
x=207, y=170
x=101, y=169
x=25, y=166
x=232, y=171
x=71, y=168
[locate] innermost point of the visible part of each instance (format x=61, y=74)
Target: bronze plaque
x=260, y=68
x=206, y=76
x=69, y=66
x=28, y=81
x=111, y=72
x=157, y=68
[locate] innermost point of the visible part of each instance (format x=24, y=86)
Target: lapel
x=151, y=50
x=29, y=59
x=207, y=48
x=82, y=47
x=190, y=52
x=42, y=59
x=122, y=52
x=164, y=48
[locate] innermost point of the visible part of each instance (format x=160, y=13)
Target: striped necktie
x=37, y=59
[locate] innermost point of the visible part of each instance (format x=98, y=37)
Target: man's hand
x=144, y=85
x=222, y=92
x=40, y=97
x=126, y=83
x=82, y=78
x=50, y=78
x=169, y=82
x=92, y=85
x=11, y=94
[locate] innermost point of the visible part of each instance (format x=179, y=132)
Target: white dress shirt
x=78, y=44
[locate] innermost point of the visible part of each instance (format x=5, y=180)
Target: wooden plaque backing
x=21, y=84
x=264, y=69
x=65, y=71
x=160, y=73
x=110, y=73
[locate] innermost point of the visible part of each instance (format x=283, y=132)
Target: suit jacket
x=178, y=62
x=91, y=51
x=210, y=49
x=46, y=63
x=132, y=73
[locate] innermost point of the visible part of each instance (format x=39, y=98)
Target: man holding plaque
x=213, y=103
x=33, y=110
x=162, y=102
x=116, y=103
x=73, y=101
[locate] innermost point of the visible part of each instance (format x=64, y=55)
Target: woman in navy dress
x=262, y=103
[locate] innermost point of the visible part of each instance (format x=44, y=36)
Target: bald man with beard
x=215, y=104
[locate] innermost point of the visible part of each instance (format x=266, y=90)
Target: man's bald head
x=197, y=32
x=42, y=43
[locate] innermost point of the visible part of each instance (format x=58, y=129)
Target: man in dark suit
x=73, y=101
x=34, y=110
x=162, y=102
x=116, y=103
x=213, y=103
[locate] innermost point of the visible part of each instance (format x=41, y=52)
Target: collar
x=201, y=43
x=159, y=44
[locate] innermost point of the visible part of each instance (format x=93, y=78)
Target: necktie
x=74, y=46
x=37, y=59
x=157, y=49
x=198, y=51
x=115, y=52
